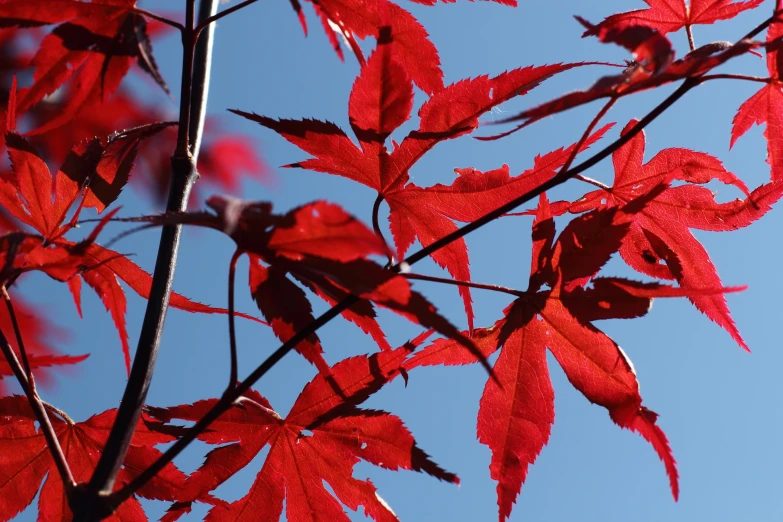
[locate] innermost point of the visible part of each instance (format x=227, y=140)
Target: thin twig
x=64, y=416
x=159, y=18
x=19, y=341
x=691, y=41
x=744, y=77
x=586, y=134
x=41, y=416
x=233, y=374
x=214, y=18
x=469, y=284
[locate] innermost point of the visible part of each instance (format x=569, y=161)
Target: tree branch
x=19, y=341
x=184, y=175
x=41, y=416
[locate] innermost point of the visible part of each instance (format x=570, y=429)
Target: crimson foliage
x=97, y=132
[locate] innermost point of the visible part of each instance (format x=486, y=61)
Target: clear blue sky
x=718, y=405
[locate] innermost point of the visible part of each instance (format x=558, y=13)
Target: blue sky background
x=719, y=405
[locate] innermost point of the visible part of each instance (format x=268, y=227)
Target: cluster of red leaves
x=381, y=101
x=26, y=463
x=328, y=448
x=653, y=63
x=643, y=217
x=646, y=216
x=669, y=16
x=84, y=60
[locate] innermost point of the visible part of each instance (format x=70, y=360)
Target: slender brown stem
x=41, y=416
x=376, y=226
x=744, y=77
x=64, y=416
x=592, y=181
x=93, y=504
x=159, y=18
x=214, y=18
x=232, y=336
x=19, y=340
x=691, y=41
x=228, y=399
x=586, y=134
x=469, y=284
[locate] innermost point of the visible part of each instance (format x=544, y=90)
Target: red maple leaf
x=93, y=173
x=325, y=249
x=653, y=65
x=516, y=412
x=93, y=47
x=659, y=242
x=381, y=101
x=766, y=107
x=668, y=16
x=224, y=159
x=391, y=25
x=327, y=451
x=27, y=463
x=427, y=214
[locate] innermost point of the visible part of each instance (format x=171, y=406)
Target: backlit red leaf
x=329, y=451
x=26, y=462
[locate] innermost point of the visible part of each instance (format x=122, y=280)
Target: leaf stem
x=593, y=182
x=744, y=77
x=64, y=416
x=376, y=207
x=469, y=284
x=691, y=41
x=233, y=374
x=184, y=176
x=40, y=414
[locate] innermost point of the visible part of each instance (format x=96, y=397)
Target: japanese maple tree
x=76, y=132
